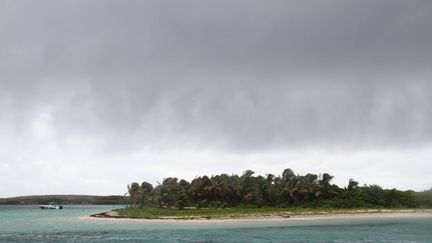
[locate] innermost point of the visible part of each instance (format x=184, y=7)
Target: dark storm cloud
x=237, y=74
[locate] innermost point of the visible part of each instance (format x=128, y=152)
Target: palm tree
x=196, y=190
x=251, y=191
x=134, y=193
x=291, y=186
x=326, y=190
x=217, y=190
x=147, y=192
x=235, y=189
x=287, y=175
x=268, y=190
x=170, y=192
x=352, y=184
x=308, y=186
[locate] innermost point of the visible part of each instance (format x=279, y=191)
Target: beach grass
x=160, y=213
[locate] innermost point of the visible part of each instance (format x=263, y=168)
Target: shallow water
x=30, y=224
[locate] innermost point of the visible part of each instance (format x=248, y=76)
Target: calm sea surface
x=31, y=224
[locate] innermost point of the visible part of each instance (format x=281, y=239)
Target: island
x=65, y=200
x=288, y=195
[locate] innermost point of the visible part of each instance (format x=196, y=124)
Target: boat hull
x=50, y=207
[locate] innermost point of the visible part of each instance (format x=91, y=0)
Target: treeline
x=424, y=198
x=287, y=190
x=64, y=199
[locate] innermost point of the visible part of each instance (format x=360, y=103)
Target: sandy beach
x=289, y=216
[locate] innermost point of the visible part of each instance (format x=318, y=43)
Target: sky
x=95, y=95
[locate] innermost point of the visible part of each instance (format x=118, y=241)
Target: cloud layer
x=91, y=85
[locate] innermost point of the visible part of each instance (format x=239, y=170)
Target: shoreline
x=283, y=216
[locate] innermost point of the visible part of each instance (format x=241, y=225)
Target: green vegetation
x=424, y=199
x=190, y=213
x=203, y=212
x=271, y=192
x=64, y=199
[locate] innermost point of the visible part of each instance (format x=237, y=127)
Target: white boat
x=51, y=205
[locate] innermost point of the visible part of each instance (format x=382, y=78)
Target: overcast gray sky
x=97, y=94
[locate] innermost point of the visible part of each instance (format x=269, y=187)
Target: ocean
x=31, y=224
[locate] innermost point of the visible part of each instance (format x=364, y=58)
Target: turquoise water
x=31, y=224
